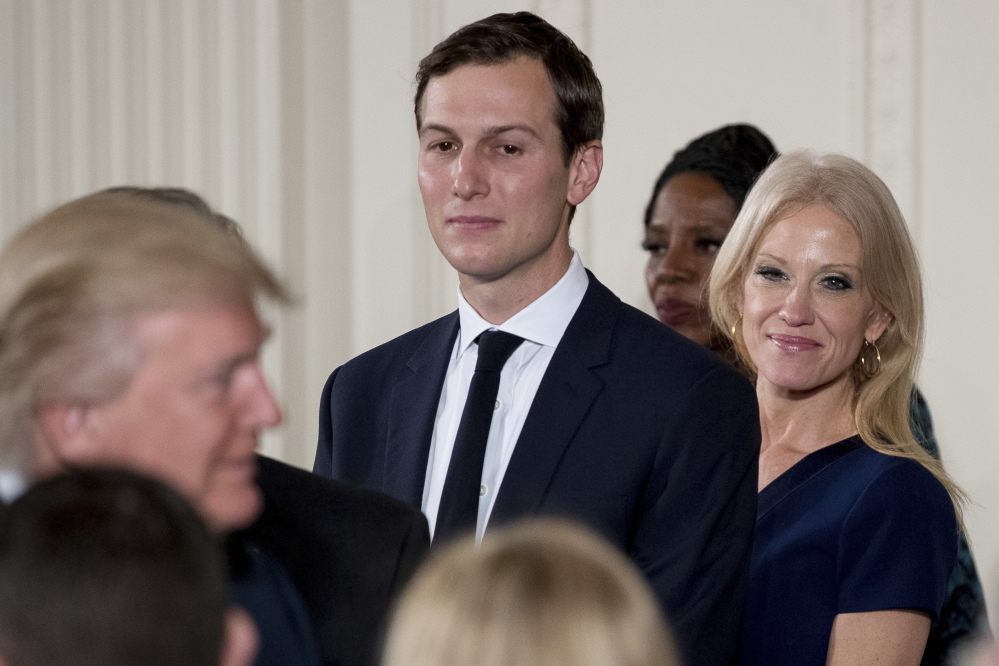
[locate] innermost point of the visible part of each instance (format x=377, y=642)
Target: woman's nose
x=797, y=307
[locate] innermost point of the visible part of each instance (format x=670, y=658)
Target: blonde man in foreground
x=129, y=336
x=539, y=592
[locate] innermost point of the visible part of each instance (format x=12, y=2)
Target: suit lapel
x=563, y=399
x=412, y=411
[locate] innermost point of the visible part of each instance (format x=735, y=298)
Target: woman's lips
x=793, y=343
x=674, y=311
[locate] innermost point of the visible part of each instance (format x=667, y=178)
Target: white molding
x=41, y=91
x=858, y=41
x=79, y=101
x=117, y=71
x=155, y=121
x=190, y=91
x=267, y=138
x=8, y=219
x=230, y=115
x=893, y=112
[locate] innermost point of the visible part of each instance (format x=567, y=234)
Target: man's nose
x=470, y=178
x=261, y=408
x=797, y=307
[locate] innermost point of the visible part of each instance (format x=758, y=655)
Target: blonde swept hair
x=538, y=592
x=891, y=273
x=72, y=283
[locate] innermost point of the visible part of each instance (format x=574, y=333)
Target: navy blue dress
x=845, y=530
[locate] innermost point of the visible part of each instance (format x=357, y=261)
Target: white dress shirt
x=12, y=485
x=541, y=324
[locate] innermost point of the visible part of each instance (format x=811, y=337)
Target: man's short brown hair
x=500, y=38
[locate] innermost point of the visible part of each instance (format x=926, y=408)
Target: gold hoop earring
x=734, y=326
x=869, y=364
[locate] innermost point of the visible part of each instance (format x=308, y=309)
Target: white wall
x=295, y=118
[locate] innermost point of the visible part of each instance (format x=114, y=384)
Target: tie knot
x=495, y=347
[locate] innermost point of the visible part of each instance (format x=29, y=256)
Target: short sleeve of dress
x=898, y=544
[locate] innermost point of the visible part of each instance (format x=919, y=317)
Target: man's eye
x=507, y=149
x=443, y=146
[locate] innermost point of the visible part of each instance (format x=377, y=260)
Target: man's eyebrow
x=226, y=368
x=229, y=365
x=489, y=131
x=435, y=127
x=493, y=131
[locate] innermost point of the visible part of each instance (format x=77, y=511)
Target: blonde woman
x=819, y=287
x=541, y=592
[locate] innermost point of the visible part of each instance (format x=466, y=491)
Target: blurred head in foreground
x=540, y=592
x=129, y=337
x=183, y=198
x=106, y=568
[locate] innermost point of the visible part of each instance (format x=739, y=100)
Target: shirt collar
x=12, y=485
x=542, y=322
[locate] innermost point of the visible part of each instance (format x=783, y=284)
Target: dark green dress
x=963, y=612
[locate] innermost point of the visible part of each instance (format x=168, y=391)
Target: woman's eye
x=836, y=283
x=707, y=245
x=770, y=273
x=654, y=247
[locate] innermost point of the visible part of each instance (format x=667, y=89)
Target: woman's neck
x=797, y=423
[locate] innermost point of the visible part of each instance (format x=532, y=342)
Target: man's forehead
x=488, y=87
x=200, y=329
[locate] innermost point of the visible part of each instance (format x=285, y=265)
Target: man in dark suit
x=544, y=393
x=129, y=336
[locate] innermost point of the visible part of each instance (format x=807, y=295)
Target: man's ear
x=62, y=435
x=584, y=171
x=241, y=641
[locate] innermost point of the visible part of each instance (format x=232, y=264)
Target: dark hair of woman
x=733, y=155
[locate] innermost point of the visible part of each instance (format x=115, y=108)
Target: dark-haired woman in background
x=694, y=202
x=693, y=205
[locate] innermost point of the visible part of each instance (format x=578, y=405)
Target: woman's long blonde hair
x=891, y=272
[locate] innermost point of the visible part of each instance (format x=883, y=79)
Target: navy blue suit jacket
x=635, y=431
x=347, y=550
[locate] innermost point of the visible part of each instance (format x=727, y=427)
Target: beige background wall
x=295, y=117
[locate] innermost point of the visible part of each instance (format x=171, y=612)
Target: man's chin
x=234, y=510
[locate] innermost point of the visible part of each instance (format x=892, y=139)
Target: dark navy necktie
x=459, y=508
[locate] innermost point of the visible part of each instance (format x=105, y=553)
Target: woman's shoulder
x=899, y=488
x=875, y=467
x=898, y=541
